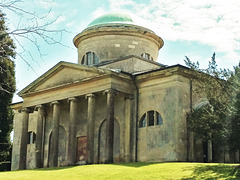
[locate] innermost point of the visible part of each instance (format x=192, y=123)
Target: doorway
x=82, y=149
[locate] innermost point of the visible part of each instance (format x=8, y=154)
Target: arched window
x=95, y=59
x=151, y=118
x=31, y=137
x=143, y=121
x=90, y=58
x=146, y=56
x=82, y=62
x=159, y=119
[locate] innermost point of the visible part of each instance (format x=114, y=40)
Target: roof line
x=160, y=69
x=16, y=103
x=127, y=57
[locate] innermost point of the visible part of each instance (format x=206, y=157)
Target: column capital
x=25, y=109
x=72, y=99
x=110, y=91
x=90, y=95
x=38, y=107
x=54, y=103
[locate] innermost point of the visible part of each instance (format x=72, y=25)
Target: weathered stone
x=72, y=142
x=24, y=138
x=39, y=136
x=53, y=160
x=109, y=126
x=144, y=121
x=90, y=129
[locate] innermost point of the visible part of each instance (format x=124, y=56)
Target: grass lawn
x=126, y=171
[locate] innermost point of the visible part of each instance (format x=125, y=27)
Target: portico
x=49, y=113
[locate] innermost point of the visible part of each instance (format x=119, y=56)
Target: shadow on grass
x=133, y=164
x=53, y=168
x=214, y=172
x=136, y=164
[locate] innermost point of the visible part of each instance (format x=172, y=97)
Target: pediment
x=62, y=74
x=133, y=64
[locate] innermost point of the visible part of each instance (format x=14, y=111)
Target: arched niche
x=102, y=142
x=62, y=146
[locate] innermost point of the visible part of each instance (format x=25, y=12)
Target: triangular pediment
x=132, y=64
x=63, y=74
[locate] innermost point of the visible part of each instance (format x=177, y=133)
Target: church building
x=116, y=104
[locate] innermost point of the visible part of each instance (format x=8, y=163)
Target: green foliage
x=5, y=166
x=139, y=170
x=7, y=88
x=234, y=136
x=234, y=126
x=212, y=171
x=210, y=120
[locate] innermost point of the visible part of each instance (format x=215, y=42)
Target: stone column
x=236, y=156
x=109, y=126
x=72, y=148
x=24, y=138
x=190, y=134
x=90, y=128
x=39, y=136
x=226, y=155
x=191, y=146
x=128, y=119
x=209, y=150
x=55, y=134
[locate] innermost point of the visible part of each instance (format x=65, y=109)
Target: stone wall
x=16, y=140
x=81, y=126
x=110, y=47
x=170, y=97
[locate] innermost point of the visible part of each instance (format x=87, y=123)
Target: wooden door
x=82, y=148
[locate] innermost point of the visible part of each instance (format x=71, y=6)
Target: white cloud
x=215, y=23
x=119, y=4
x=45, y=4
x=70, y=23
x=98, y=12
x=60, y=19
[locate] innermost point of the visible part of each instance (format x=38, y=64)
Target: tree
x=32, y=27
x=234, y=136
x=210, y=119
x=7, y=88
x=234, y=126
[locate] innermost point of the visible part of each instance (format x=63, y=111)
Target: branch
x=2, y=70
x=4, y=90
x=12, y=6
x=31, y=27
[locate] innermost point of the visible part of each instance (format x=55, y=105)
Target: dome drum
x=116, y=45
x=114, y=36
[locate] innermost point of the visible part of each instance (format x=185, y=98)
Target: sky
x=191, y=28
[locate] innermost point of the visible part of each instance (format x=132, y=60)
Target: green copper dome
x=111, y=18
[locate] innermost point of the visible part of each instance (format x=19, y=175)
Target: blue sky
x=190, y=28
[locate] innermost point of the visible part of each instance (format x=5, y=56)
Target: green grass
x=134, y=171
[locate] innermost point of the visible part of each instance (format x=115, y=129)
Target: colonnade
x=72, y=141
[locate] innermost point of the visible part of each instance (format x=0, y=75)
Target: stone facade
x=116, y=105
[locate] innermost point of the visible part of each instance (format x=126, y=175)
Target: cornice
x=122, y=30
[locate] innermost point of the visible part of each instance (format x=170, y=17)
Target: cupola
x=113, y=36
